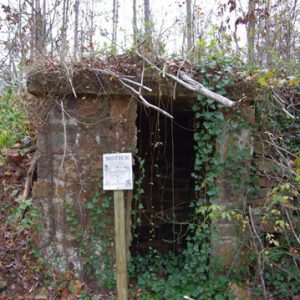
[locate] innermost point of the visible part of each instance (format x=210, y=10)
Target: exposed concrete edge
x=49, y=83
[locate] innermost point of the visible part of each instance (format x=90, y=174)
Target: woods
x=205, y=95
x=61, y=29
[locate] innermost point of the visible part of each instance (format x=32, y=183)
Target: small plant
x=95, y=241
x=138, y=205
x=12, y=121
x=24, y=215
x=98, y=247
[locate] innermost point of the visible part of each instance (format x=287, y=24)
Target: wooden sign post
x=122, y=280
x=117, y=177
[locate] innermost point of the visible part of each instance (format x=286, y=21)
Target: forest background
x=258, y=40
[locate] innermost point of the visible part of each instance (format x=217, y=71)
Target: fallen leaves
x=16, y=261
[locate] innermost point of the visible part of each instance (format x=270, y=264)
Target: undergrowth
x=270, y=267
x=273, y=239
x=13, y=123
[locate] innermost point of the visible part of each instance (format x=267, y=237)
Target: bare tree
x=134, y=21
x=33, y=28
x=115, y=21
x=64, y=28
x=76, y=10
x=189, y=25
x=251, y=32
x=39, y=30
x=32, y=35
x=91, y=29
x=148, y=24
x=21, y=36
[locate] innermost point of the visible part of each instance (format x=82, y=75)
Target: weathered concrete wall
x=75, y=134
x=236, y=151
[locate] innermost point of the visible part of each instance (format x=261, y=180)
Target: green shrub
x=13, y=125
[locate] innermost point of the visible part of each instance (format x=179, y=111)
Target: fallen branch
x=201, y=89
x=144, y=101
x=29, y=178
x=69, y=77
x=281, y=104
x=193, y=85
x=141, y=86
x=260, y=262
x=187, y=298
x=297, y=237
x=137, y=83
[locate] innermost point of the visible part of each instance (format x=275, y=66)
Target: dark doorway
x=165, y=163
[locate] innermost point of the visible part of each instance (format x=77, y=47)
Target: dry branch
x=193, y=85
x=201, y=89
x=144, y=101
x=141, y=86
x=260, y=262
x=29, y=178
x=137, y=84
x=281, y=104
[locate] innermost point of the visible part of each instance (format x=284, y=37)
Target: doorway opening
x=165, y=161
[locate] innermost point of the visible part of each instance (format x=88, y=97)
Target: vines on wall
x=96, y=245
x=270, y=229
x=173, y=275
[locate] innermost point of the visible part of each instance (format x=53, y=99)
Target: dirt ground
x=23, y=273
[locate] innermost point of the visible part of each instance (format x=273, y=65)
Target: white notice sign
x=117, y=171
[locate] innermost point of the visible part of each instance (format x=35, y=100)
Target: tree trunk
x=134, y=22
x=91, y=33
x=10, y=54
x=39, y=31
x=44, y=13
x=21, y=39
x=251, y=33
x=147, y=24
x=63, y=33
x=189, y=25
x=32, y=32
x=115, y=22
x=76, y=9
x=290, y=31
x=268, y=44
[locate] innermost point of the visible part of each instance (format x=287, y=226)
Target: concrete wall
x=236, y=152
x=75, y=134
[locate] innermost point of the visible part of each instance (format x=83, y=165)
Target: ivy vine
x=172, y=276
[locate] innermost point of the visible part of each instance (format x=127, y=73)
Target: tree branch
x=281, y=104
x=201, y=89
x=141, y=86
x=193, y=85
x=29, y=178
x=144, y=101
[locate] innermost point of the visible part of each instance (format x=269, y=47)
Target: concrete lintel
x=90, y=82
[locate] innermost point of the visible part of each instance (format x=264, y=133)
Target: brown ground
x=23, y=274
x=18, y=276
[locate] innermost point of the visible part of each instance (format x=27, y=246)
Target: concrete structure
x=102, y=118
